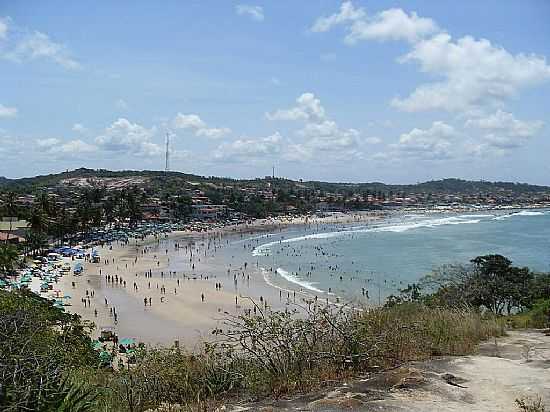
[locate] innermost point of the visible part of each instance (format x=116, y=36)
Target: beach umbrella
x=127, y=341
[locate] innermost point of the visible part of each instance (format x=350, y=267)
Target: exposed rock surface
x=513, y=367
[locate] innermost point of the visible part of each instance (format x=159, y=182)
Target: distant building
x=208, y=212
x=11, y=238
x=14, y=226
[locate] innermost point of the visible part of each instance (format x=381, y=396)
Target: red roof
x=7, y=236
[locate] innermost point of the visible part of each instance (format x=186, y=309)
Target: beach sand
x=179, y=313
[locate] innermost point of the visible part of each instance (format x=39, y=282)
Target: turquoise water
x=385, y=257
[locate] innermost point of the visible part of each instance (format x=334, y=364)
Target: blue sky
x=340, y=91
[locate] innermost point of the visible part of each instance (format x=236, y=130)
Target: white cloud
x=501, y=130
x=470, y=73
x=58, y=146
x=198, y=126
x=3, y=28
x=132, y=138
x=475, y=73
x=327, y=136
x=79, y=128
x=188, y=121
x=48, y=143
x=373, y=140
x=505, y=123
x=77, y=146
x=308, y=108
x=348, y=13
x=7, y=112
x=391, y=24
x=37, y=45
x=254, y=12
x=121, y=104
x=251, y=149
x=319, y=135
x=433, y=143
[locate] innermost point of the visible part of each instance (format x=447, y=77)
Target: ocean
x=379, y=259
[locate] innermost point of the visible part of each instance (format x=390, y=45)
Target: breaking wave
x=522, y=213
x=297, y=280
x=263, y=250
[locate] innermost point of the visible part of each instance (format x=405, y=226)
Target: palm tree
x=8, y=259
x=11, y=209
x=36, y=241
x=38, y=220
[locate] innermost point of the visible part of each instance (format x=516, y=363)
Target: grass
x=272, y=354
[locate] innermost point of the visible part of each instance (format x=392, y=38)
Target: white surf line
x=308, y=295
x=521, y=213
x=261, y=250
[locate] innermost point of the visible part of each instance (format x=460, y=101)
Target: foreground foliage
x=47, y=363
x=270, y=354
x=39, y=347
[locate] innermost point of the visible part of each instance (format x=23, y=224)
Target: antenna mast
x=167, y=155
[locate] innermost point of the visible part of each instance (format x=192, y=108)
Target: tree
x=183, y=208
x=39, y=346
x=8, y=259
x=36, y=241
x=489, y=282
x=11, y=210
x=499, y=286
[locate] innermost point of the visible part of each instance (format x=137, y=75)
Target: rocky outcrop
x=504, y=370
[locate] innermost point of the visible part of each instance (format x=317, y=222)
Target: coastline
x=182, y=315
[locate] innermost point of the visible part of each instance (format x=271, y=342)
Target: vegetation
x=255, y=197
x=40, y=347
x=489, y=283
x=48, y=364
x=530, y=405
x=9, y=257
x=272, y=354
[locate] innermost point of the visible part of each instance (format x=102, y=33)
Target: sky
x=353, y=91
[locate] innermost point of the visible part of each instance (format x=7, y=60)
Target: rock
x=336, y=404
x=453, y=380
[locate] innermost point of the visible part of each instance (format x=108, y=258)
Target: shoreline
x=182, y=315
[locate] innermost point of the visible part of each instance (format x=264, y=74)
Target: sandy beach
x=188, y=287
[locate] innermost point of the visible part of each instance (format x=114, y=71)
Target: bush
x=39, y=347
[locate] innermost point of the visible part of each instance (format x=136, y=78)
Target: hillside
x=446, y=186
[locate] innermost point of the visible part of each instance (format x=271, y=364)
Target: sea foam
x=521, y=213
x=297, y=280
x=263, y=250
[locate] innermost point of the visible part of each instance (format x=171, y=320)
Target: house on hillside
x=14, y=226
x=208, y=212
x=11, y=238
